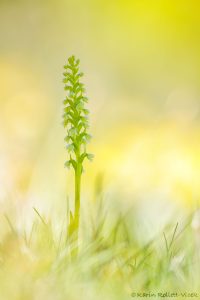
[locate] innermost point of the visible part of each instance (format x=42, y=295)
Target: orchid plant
x=75, y=121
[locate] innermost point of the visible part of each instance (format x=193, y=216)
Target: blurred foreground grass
x=115, y=259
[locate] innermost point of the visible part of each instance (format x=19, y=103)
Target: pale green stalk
x=76, y=123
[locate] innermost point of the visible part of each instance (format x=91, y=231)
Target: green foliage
x=76, y=123
x=116, y=257
x=75, y=115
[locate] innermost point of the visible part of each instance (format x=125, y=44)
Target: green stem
x=77, y=195
x=78, y=172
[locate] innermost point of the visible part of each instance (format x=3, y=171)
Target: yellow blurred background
x=142, y=73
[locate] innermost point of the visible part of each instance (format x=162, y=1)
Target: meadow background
x=142, y=75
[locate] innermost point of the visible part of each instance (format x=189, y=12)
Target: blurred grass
x=113, y=261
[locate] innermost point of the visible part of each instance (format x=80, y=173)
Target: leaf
x=85, y=99
x=71, y=68
x=85, y=138
x=90, y=156
x=79, y=106
x=72, y=131
x=70, y=80
x=86, y=111
x=83, y=156
x=71, y=103
x=86, y=125
x=88, y=137
x=80, y=126
x=71, y=59
x=75, y=71
x=67, y=138
x=65, y=122
x=84, y=119
x=77, y=62
x=79, y=75
x=65, y=101
x=66, y=74
x=70, y=147
x=69, y=114
x=75, y=86
x=74, y=164
x=67, y=164
x=67, y=88
x=67, y=109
